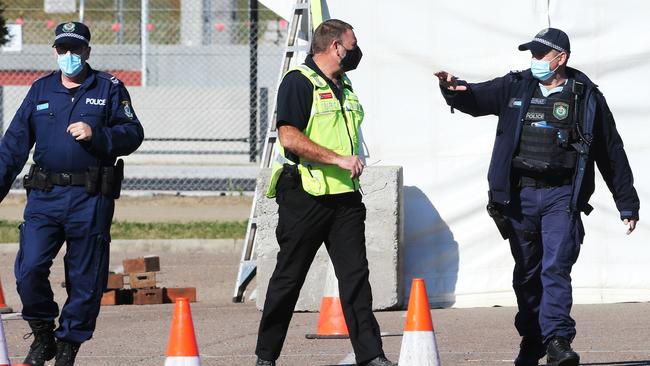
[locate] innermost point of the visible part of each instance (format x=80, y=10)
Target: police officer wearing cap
x=315, y=182
x=80, y=121
x=553, y=125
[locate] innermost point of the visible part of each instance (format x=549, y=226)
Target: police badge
x=560, y=110
x=68, y=27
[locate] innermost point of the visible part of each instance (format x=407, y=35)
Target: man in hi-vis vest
x=315, y=182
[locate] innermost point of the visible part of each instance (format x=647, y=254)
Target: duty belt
x=104, y=180
x=68, y=179
x=545, y=182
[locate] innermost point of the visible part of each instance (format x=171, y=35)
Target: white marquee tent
x=449, y=238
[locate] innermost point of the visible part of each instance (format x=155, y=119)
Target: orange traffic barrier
x=3, y=306
x=182, y=349
x=331, y=322
x=419, y=347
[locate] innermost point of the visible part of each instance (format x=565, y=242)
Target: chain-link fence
x=202, y=75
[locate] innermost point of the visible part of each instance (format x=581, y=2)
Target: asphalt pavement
x=614, y=334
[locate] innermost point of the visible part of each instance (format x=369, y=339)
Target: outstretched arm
x=476, y=99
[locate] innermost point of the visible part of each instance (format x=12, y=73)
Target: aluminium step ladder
x=297, y=46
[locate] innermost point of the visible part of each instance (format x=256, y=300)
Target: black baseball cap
x=72, y=33
x=548, y=39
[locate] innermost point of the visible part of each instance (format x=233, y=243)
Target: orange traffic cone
x=331, y=323
x=3, y=307
x=419, y=346
x=4, y=352
x=182, y=349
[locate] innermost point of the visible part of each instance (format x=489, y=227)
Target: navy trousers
x=545, y=245
x=65, y=214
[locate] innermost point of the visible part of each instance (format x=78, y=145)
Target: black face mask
x=351, y=59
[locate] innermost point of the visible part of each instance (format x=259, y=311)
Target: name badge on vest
x=515, y=103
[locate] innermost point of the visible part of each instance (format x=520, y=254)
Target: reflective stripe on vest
x=332, y=126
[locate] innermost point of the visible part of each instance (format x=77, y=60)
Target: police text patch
x=534, y=116
x=95, y=101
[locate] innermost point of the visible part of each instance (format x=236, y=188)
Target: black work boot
x=261, y=362
x=43, y=347
x=66, y=353
x=531, y=349
x=379, y=361
x=560, y=353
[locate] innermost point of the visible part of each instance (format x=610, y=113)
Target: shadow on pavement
x=622, y=363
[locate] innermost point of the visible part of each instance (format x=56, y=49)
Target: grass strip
x=153, y=230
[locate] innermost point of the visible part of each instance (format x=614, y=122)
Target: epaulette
x=43, y=76
x=516, y=74
x=112, y=78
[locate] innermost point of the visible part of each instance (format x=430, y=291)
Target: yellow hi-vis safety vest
x=333, y=126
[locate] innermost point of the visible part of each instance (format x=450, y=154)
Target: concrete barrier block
x=382, y=189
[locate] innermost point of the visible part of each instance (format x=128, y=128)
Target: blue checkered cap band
x=73, y=35
x=549, y=43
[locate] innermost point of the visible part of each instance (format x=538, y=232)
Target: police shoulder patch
x=126, y=107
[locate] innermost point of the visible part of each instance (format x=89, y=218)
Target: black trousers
x=305, y=222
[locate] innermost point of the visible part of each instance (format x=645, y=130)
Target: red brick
x=115, y=281
x=117, y=297
x=141, y=264
x=170, y=294
x=142, y=280
x=148, y=296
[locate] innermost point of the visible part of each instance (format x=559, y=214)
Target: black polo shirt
x=296, y=95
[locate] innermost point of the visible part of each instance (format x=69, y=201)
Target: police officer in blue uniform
x=553, y=125
x=80, y=120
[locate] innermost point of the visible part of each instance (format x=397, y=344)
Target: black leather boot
x=43, y=347
x=66, y=353
x=379, y=361
x=560, y=353
x=531, y=349
x=261, y=362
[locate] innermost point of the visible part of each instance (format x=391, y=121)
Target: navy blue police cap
x=548, y=39
x=74, y=33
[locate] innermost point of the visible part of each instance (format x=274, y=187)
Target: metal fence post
x=2, y=108
x=252, y=42
x=119, y=4
x=144, y=40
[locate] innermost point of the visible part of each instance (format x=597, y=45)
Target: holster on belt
x=111, y=179
x=37, y=178
x=92, y=180
x=503, y=224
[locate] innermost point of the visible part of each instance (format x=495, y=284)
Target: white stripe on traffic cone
x=419, y=347
x=4, y=352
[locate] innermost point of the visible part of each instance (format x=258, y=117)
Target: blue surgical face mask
x=70, y=64
x=541, y=69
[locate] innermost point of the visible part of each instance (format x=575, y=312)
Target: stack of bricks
x=143, y=288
